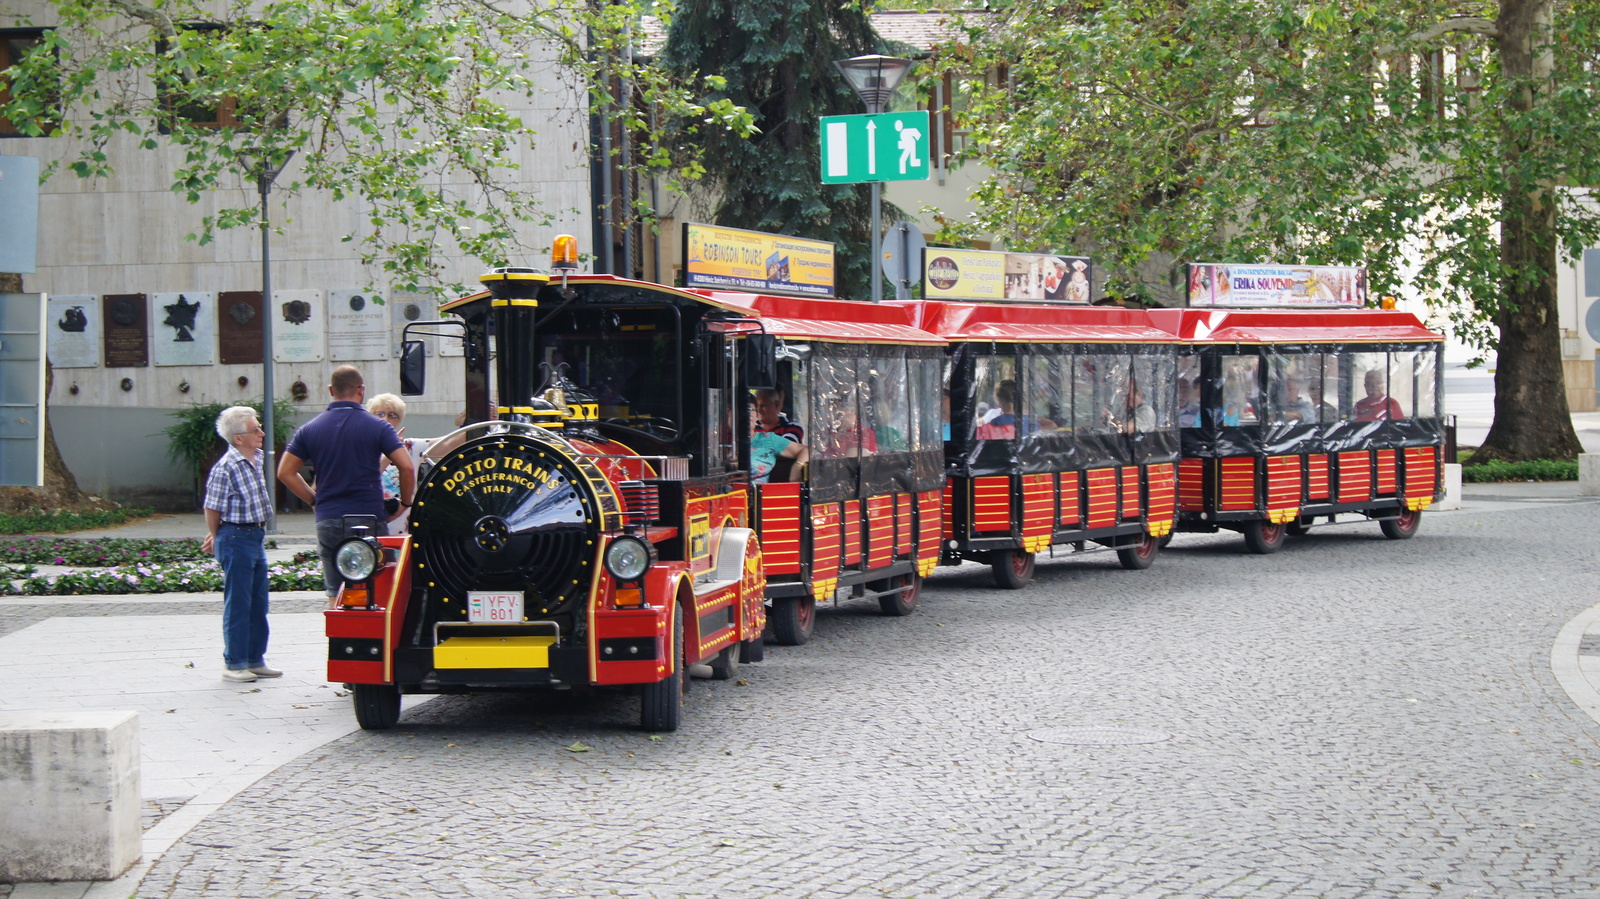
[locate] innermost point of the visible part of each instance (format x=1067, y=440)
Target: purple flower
x=60, y=561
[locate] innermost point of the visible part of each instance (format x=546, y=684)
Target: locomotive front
x=541, y=553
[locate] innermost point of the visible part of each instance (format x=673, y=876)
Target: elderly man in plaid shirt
x=236, y=507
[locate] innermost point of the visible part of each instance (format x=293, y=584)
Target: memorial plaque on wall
x=184, y=328
x=358, y=326
x=73, y=326
x=126, y=328
x=239, y=327
x=297, y=332
x=405, y=308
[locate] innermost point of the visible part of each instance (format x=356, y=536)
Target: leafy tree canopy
x=403, y=104
x=1432, y=140
x=776, y=57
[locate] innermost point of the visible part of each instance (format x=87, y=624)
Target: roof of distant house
x=922, y=30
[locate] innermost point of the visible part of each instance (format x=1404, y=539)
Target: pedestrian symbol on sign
x=908, y=146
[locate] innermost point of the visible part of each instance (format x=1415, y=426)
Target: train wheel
x=1263, y=537
x=792, y=619
x=753, y=651
x=904, y=600
x=1013, y=568
x=1404, y=527
x=1139, y=556
x=1299, y=527
x=726, y=665
x=377, y=705
x=661, y=703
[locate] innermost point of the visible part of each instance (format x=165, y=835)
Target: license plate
x=497, y=608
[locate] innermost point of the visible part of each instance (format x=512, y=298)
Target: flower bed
x=97, y=553
x=171, y=577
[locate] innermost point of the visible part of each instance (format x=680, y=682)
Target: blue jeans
x=330, y=533
x=242, y=553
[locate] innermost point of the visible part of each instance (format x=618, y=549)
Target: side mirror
x=413, y=368
x=761, y=362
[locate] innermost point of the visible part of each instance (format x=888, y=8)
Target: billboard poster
x=185, y=326
x=733, y=259
x=358, y=326
x=297, y=332
x=1217, y=284
x=999, y=277
x=73, y=323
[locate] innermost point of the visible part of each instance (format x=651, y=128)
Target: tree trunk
x=1531, y=416
x=60, y=490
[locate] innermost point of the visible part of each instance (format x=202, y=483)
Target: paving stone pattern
x=1352, y=717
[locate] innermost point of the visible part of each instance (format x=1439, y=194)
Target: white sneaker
x=241, y=676
x=264, y=671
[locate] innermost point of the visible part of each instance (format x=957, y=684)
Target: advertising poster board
x=732, y=259
x=297, y=333
x=185, y=328
x=1221, y=284
x=991, y=276
x=73, y=323
x=358, y=326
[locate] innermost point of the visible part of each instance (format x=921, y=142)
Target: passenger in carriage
x=1376, y=405
x=770, y=418
x=1188, y=404
x=1295, y=406
x=1007, y=424
x=774, y=458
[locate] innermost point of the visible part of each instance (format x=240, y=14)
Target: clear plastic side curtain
x=1286, y=399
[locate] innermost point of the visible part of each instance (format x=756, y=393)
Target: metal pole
x=877, y=242
x=269, y=466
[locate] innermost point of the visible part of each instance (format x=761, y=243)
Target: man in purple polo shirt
x=344, y=444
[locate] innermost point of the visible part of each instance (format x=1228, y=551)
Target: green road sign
x=888, y=147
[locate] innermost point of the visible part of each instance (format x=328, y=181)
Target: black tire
x=377, y=705
x=903, y=601
x=726, y=665
x=1013, y=568
x=1299, y=527
x=1404, y=527
x=661, y=703
x=1141, y=555
x=792, y=620
x=1166, y=538
x=753, y=651
x=1263, y=537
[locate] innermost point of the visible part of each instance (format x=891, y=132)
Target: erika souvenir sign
x=999, y=277
x=732, y=259
x=1215, y=284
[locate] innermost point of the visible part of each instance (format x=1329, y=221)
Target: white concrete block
x=1452, y=489
x=69, y=795
x=1589, y=474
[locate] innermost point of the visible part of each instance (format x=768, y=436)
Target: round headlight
x=357, y=559
x=628, y=558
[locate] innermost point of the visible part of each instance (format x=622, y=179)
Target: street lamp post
x=874, y=79
x=266, y=168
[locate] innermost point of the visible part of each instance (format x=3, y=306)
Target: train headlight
x=628, y=558
x=357, y=559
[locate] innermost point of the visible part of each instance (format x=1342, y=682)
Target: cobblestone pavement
x=1351, y=717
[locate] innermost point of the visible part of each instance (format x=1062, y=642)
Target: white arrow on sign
x=872, y=148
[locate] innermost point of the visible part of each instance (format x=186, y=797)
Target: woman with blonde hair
x=392, y=409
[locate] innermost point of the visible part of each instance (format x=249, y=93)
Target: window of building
x=14, y=46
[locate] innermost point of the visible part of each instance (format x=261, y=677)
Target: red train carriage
x=1062, y=431
x=864, y=383
x=1295, y=418
x=601, y=525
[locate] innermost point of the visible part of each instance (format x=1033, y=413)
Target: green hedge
x=1536, y=470
x=98, y=553
x=59, y=522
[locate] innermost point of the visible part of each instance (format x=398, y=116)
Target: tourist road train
x=610, y=519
